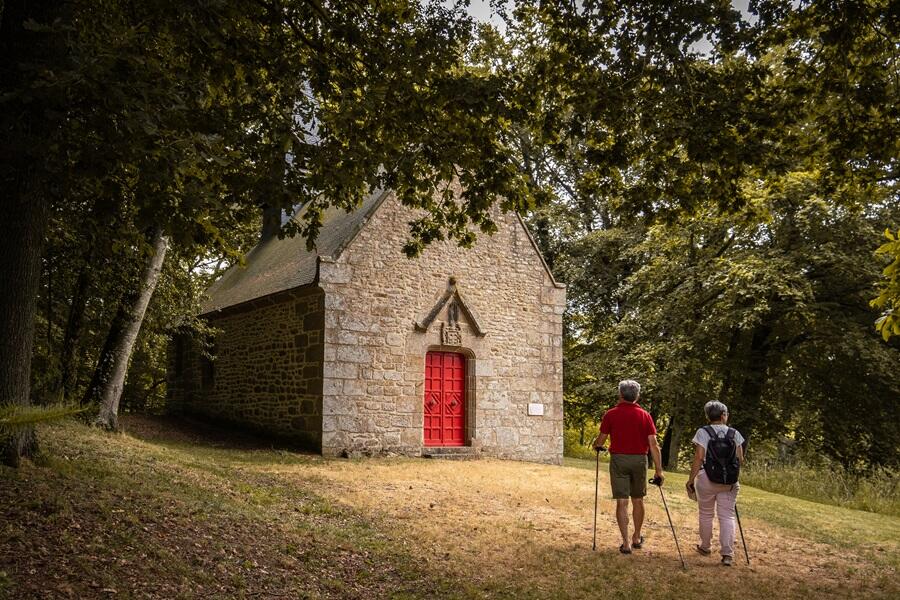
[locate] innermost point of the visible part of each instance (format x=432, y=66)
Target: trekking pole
x=658, y=483
x=596, y=489
x=743, y=539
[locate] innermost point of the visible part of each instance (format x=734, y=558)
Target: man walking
x=633, y=433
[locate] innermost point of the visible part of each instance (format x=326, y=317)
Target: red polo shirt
x=629, y=426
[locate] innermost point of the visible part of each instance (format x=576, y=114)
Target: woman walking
x=718, y=456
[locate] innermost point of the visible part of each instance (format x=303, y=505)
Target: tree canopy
x=133, y=120
x=712, y=184
x=717, y=184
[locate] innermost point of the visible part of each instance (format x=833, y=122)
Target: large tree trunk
x=729, y=365
x=749, y=416
x=24, y=206
x=113, y=364
x=21, y=241
x=672, y=443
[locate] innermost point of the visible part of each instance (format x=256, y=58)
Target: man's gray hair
x=714, y=410
x=630, y=390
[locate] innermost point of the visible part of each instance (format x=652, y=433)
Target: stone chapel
x=355, y=349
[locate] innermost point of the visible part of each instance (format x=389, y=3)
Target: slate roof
x=277, y=265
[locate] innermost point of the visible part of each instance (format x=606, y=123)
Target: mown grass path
x=169, y=512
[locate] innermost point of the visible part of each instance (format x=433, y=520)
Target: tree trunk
x=113, y=366
x=666, y=444
x=27, y=127
x=751, y=415
x=672, y=442
x=105, y=360
x=728, y=365
x=271, y=222
x=68, y=356
x=21, y=241
x=49, y=314
x=676, y=429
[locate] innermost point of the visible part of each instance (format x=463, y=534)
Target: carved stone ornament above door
x=450, y=331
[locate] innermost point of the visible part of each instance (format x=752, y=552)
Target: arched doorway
x=445, y=399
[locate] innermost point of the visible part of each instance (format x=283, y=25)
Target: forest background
x=714, y=187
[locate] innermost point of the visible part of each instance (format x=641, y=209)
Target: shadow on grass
x=168, y=511
x=184, y=430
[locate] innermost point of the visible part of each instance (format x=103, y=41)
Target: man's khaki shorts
x=628, y=475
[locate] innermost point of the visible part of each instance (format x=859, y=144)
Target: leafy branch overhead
x=147, y=127
x=889, y=298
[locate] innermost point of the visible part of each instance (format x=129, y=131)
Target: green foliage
x=713, y=208
x=708, y=186
x=198, y=114
x=766, y=313
x=190, y=117
x=572, y=446
x=889, y=298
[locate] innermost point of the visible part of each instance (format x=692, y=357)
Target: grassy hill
x=170, y=511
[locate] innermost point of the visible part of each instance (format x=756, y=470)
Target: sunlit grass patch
x=876, y=491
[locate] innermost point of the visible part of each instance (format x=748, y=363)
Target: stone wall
x=374, y=355
x=267, y=372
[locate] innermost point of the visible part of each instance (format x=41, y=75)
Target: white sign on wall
x=535, y=409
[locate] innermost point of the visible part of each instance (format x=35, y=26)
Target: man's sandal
x=624, y=550
x=637, y=545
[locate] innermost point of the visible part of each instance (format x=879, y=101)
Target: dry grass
x=522, y=530
x=180, y=513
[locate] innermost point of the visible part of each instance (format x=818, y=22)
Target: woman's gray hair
x=714, y=410
x=630, y=390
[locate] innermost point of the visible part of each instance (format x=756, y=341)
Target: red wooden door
x=445, y=399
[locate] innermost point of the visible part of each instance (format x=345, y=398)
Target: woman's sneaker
x=726, y=560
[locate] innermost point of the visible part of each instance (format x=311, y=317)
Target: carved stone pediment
x=450, y=331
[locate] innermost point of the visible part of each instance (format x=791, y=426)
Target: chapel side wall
x=267, y=372
x=182, y=374
x=374, y=358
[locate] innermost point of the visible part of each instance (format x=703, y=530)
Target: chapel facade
x=354, y=349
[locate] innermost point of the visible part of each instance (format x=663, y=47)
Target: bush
x=572, y=446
